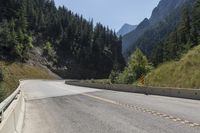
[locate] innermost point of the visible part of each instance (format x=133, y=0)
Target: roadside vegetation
x=184, y=73
x=137, y=68
x=170, y=69
x=178, y=57
x=11, y=73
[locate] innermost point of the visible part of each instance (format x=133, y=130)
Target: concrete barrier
x=13, y=116
x=162, y=91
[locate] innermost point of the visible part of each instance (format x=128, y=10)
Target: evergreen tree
x=183, y=38
x=33, y=22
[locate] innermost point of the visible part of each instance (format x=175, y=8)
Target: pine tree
x=26, y=23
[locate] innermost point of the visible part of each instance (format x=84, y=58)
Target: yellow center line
x=132, y=107
x=99, y=98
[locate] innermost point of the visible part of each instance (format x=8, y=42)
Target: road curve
x=54, y=107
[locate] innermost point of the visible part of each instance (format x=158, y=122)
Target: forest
x=185, y=36
x=175, y=46
x=63, y=36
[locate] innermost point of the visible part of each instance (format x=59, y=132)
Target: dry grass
x=13, y=72
x=184, y=73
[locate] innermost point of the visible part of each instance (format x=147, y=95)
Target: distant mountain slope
x=131, y=37
x=165, y=8
x=164, y=19
x=126, y=28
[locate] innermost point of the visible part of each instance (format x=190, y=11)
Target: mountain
x=126, y=28
x=165, y=8
x=164, y=19
x=38, y=32
x=182, y=39
x=129, y=38
x=171, y=68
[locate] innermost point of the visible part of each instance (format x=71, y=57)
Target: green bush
x=47, y=48
x=19, y=50
x=138, y=66
x=113, y=76
x=29, y=41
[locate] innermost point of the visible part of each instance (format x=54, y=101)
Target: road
x=54, y=107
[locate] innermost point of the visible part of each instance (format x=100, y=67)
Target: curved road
x=54, y=107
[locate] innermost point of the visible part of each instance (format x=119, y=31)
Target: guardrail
x=162, y=91
x=12, y=111
x=5, y=104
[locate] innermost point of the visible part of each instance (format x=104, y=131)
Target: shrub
x=113, y=76
x=48, y=48
x=29, y=41
x=138, y=66
x=19, y=50
x=49, y=52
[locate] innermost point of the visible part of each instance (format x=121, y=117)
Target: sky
x=112, y=13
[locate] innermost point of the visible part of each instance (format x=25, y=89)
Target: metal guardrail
x=5, y=104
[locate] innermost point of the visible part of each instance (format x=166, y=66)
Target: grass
x=184, y=73
x=13, y=72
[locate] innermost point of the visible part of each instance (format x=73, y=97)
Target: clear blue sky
x=112, y=13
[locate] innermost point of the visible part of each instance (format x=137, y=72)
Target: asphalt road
x=53, y=107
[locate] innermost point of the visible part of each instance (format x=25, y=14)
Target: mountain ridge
x=125, y=29
x=161, y=15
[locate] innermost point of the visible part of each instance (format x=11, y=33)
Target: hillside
x=13, y=72
x=184, y=73
x=63, y=39
x=164, y=19
x=183, y=38
x=125, y=29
